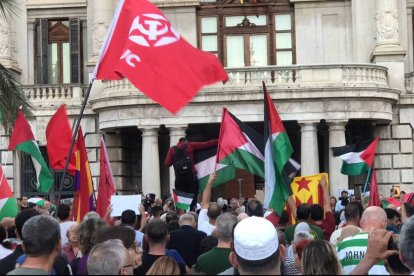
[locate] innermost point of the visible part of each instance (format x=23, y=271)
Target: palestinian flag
x=23, y=139
x=279, y=167
x=357, y=158
x=182, y=200
x=205, y=164
x=240, y=146
x=37, y=200
x=8, y=203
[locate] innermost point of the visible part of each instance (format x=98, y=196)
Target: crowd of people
x=225, y=237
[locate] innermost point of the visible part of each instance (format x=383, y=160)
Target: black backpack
x=181, y=161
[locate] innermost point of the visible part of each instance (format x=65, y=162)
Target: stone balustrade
x=296, y=76
x=53, y=93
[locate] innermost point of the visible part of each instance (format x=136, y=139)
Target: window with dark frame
x=58, y=51
x=246, y=34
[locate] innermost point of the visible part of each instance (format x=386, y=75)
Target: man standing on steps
x=182, y=157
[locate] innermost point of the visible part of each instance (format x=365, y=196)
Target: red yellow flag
x=306, y=189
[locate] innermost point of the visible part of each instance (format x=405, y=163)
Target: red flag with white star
x=143, y=46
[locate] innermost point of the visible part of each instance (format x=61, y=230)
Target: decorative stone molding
x=99, y=30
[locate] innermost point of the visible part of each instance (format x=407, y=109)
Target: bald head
x=373, y=217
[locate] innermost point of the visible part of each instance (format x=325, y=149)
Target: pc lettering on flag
x=144, y=47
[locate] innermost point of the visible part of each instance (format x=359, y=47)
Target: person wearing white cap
x=256, y=247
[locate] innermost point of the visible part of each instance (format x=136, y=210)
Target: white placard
x=125, y=202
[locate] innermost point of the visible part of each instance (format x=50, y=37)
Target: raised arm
x=203, y=145
x=205, y=201
x=292, y=206
x=169, y=159
x=326, y=199
x=143, y=218
x=404, y=216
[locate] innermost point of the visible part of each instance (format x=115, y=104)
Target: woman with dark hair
x=127, y=236
x=333, y=202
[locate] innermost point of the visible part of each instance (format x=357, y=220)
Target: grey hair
x=186, y=218
x=407, y=242
x=224, y=226
x=107, y=258
x=40, y=235
x=302, y=235
x=91, y=214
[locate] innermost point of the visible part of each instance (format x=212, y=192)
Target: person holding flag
x=181, y=157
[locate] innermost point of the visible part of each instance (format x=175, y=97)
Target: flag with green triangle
x=8, y=203
x=205, y=164
x=22, y=139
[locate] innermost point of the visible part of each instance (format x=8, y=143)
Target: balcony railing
x=327, y=75
x=49, y=93
x=296, y=76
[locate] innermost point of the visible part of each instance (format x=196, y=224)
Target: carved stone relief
x=387, y=26
x=4, y=39
x=99, y=30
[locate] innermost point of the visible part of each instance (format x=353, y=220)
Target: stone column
x=100, y=14
x=309, y=148
x=388, y=51
x=176, y=133
x=337, y=181
x=151, y=182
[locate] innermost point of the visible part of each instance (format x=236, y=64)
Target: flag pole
x=367, y=180
x=75, y=132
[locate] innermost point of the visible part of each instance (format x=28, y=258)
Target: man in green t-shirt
x=217, y=259
x=303, y=215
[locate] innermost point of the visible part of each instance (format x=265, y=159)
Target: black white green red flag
x=182, y=200
x=279, y=167
x=357, y=158
x=205, y=164
x=22, y=139
x=8, y=203
x=240, y=145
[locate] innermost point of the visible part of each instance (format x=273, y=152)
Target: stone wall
x=394, y=158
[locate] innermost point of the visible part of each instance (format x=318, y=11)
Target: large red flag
x=59, y=138
x=83, y=181
x=106, y=182
x=143, y=46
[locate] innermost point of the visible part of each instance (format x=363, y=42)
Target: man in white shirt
x=209, y=212
x=63, y=214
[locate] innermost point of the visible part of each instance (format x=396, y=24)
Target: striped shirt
x=351, y=251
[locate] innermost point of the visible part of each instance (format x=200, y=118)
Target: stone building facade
x=339, y=72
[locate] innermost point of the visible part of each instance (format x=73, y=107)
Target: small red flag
x=59, y=138
x=143, y=46
x=106, y=182
x=374, y=199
